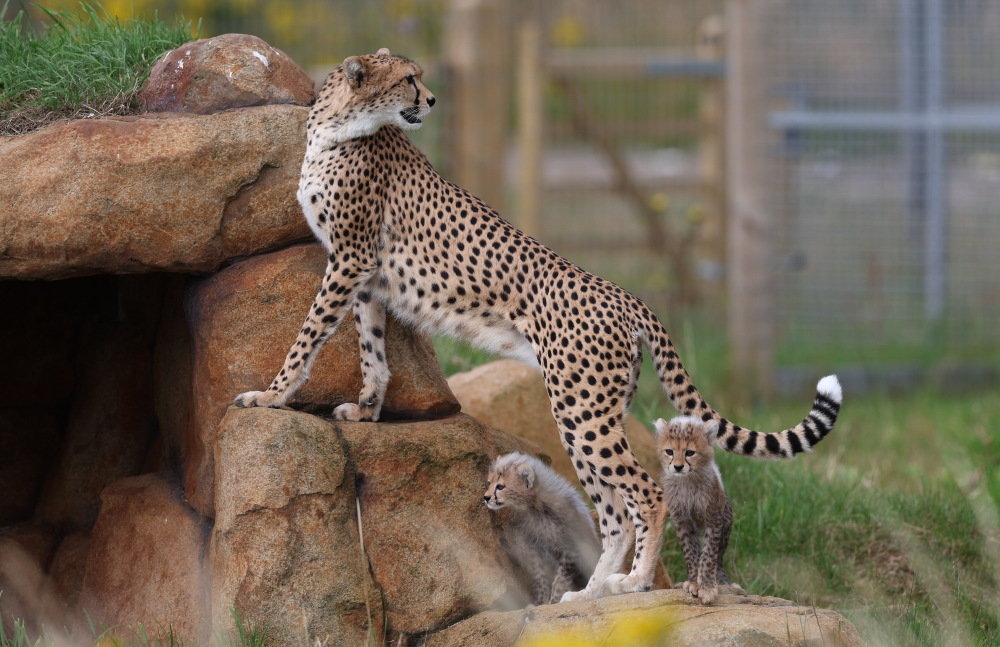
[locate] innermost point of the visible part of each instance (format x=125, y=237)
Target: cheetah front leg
x=369, y=319
x=337, y=292
x=687, y=533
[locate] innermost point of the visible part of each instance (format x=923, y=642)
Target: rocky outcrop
x=287, y=546
x=428, y=535
x=657, y=618
x=243, y=321
x=224, y=72
x=145, y=560
x=510, y=395
x=175, y=193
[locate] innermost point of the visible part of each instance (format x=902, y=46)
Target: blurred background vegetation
x=797, y=187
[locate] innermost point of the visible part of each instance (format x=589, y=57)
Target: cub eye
x=689, y=453
x=499, y=486
x=668, y=452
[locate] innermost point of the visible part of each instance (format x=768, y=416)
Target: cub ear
x=712, y=431
x=527, y=473
x=383, y=52
x=355, y=70
x=661, y=426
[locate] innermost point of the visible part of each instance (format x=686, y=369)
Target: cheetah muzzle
x=402, y=239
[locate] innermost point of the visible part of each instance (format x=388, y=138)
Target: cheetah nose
x=431, y=101
x=678, y=467
x=486, y=498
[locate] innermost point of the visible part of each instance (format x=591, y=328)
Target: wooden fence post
x=710, y=234
x=530, y=123
x=750, y=277
x=477, y=54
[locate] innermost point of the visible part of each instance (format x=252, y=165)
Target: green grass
x=86, y=64
x=893, y=520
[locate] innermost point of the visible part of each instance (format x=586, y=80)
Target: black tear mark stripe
x=413, y=82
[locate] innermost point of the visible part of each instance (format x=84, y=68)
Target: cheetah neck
x=337, y=127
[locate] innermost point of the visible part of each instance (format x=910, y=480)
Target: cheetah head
x=510, y=482
x=374, y=90
x=685, y=444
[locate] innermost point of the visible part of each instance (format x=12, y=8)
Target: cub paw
x=708, y=594
x=258, y=399
x=619, y=583
x=352, y=413
x=690, y=587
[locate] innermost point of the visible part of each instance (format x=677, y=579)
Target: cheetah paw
x=352, y=413
x=258, y=399
x=690, y=587
x=619, y=583
x=583, y=594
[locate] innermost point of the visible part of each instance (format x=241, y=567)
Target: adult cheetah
x=403, y=239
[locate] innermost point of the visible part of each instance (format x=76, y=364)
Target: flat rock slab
x=168, y=192
x=656, y=618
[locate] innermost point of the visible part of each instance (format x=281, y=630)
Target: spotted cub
x=546, y=526
x=402, y=239
x=692, y=487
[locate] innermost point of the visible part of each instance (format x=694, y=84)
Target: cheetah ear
x=712, y=431
x=525, y=472
x=661, y=426
x=355, y=70
x=383, y=52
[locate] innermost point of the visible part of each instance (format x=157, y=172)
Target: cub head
x=511, y=481
x=685, y=444
x=376, y=90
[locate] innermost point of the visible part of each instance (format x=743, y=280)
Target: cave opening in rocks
x=91, y=371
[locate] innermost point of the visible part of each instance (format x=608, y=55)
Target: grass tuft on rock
x=87, y=64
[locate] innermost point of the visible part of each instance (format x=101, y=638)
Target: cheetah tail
x=786, y=444
x=733, y=438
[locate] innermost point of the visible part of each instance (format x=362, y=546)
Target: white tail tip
x=830, y=387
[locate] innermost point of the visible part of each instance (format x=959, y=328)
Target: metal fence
x=886, y=172
x=875, y=164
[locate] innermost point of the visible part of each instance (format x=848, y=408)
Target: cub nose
x=486, y=498
x=431, y=101
x=678, y=467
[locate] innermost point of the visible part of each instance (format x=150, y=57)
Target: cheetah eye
x=410, y=80
x=689, y=453
x=499, y=486
x=668, y=452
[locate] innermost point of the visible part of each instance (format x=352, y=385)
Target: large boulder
x=68, y=566
x=510, y=395
x=656, y=618
x=177, y=193
x=224, y=72
x=145, y=560
x=429, y=537
x=287, y=547
x=25, y=550
x=246, y=317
